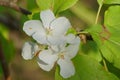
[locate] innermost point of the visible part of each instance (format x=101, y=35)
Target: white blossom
x=61, y=48
x=50, y=31
x=62, y=57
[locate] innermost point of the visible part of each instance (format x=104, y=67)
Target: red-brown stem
x=4, y=65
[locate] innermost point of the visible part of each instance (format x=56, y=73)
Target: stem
x=82, y=32
x=104, y=62
x=105, y=66
x=98, y=13
x=4, y=65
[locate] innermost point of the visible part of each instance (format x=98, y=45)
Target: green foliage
x=55, y=5
x=72, y=31
x=31, y=4
x=8, y=48
x=109, y=1
x=107, y=39
x=88, y=69
x=112, y=17
x=112, y=2
x=61, y=5
x=90, y=48
x=45, y=4
x=7, y=45
x=111, y=21
x=4, y=31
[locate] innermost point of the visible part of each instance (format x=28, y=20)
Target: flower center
x=48, y=31
x=61, y=55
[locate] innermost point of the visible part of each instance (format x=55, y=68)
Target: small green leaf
x=61, y=5
x=71, y=30
x=4, y=31
x=91, y=49
x=109, y=1
x=87, y=69
x=45, y=4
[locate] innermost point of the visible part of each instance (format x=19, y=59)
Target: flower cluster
x=59, y=47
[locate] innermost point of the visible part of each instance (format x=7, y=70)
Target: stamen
x=37, y=53
x=62, y=56
x=30, y=28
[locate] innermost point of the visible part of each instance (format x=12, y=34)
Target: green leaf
x=113, y=69
x=7, y=45
x=61, y=5
x=31, y=4
x=8, y=48
x=112, y=17
x=4, y=31
x=88, y=69
x=91, y=49
x=45, y=4
x=109, y=1
x=111, y=21
x=55, y=5
x=108, y=41
x=71, y=31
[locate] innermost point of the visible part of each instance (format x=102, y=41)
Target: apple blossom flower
x=62, y=57
x=61, y=47
x=50, y=31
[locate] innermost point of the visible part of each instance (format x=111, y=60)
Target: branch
x=14, y=6
x=4, y=65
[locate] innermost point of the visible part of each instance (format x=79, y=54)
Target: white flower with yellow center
x=50, y=31
x=47, y=58
x=62, y=57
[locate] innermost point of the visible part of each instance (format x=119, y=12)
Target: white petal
x=47, y=17
x=54, y=48
x=71, y=51
x=32, y=26
x=48, y=56
x=73, y=47
x=40, y=37
x=56, y=40
x=60, y=26
x=29, y=50
x=66, y=68
x=72, y=39
x=45, y=67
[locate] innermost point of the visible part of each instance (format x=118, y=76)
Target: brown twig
x=4, y=65
x=13, y=5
